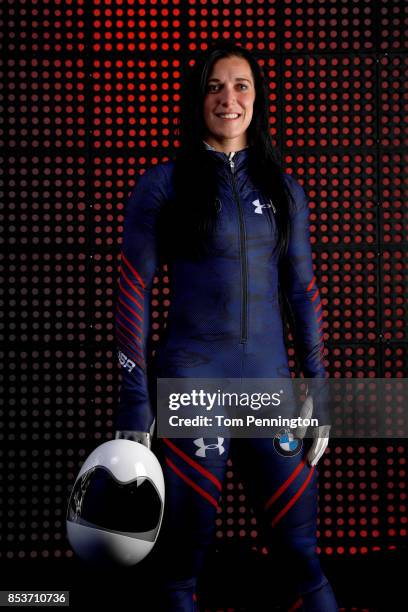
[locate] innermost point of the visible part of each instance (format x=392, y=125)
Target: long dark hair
x=189, y=218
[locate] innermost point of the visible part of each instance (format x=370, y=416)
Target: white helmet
x=116, y=504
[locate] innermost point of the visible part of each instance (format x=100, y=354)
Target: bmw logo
x=286, y=444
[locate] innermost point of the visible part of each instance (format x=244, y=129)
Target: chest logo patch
x=259, y=206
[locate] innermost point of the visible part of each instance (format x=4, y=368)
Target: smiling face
x=230, y=90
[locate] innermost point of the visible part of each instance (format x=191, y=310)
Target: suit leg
x=283, y=489
x=194, y=471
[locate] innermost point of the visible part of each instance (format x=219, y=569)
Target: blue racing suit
x=224, y=321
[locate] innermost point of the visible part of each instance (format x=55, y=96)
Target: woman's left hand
x=320, y=442
x=320, y=433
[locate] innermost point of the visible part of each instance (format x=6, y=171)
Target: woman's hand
x=137, y=436
x=320, y=433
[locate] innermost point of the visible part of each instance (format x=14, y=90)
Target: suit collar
x=237, y=156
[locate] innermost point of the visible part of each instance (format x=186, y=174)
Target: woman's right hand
x=137, y=436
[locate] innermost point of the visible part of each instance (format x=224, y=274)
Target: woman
x=233, y=228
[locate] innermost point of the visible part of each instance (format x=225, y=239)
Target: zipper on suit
x=243, y=257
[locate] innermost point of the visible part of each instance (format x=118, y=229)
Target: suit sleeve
x=139, y=261
x=299, y=285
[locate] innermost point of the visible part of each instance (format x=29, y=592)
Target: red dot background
x=91, y=93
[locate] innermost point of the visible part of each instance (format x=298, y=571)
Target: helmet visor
x=99, y=500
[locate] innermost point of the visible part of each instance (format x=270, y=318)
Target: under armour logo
x=202, y=448
x=259, y=206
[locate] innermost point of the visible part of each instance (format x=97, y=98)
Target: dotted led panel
x=45, y=395
x=34, y=487
x=46, y=297
x=330, y=101
x=91, y=96
x=135, y=27
x=134, y=105
x=46, y=107
x=46, y=26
